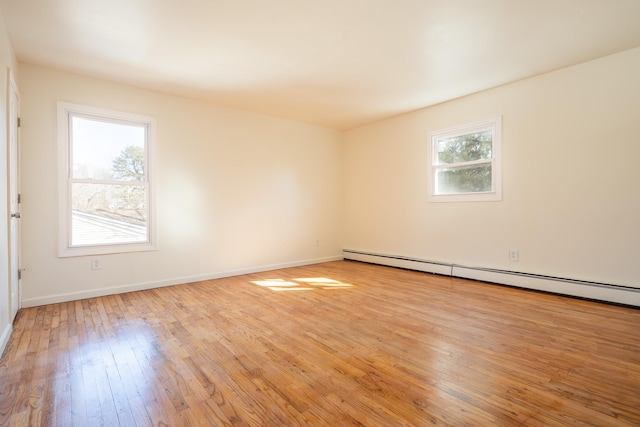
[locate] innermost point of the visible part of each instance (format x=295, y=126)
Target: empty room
x=320, y=213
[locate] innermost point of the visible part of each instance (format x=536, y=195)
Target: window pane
x=108, y=214
x=465, y=148
x=107, y=151
x=464, y=179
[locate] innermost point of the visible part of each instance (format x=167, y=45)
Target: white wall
x=236, y=191
x=571, y=179
x=7, y=60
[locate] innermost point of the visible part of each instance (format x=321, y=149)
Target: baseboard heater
x=618, y=294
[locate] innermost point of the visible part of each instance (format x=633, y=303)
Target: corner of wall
x=4, y=339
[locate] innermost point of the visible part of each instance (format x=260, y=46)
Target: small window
x=105, y=181
x=465, y=163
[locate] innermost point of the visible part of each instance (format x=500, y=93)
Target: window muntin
x=106, y=197
x=465, y=163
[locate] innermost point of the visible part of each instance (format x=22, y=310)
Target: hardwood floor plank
x=61, y=401
x=335, y=344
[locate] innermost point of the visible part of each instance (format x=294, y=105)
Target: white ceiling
x=336, y=63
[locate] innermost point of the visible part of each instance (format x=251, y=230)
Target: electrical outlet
x=96, y=263
x=514, y=255
x=318, y=243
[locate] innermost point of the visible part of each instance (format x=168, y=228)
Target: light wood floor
x=335, y=344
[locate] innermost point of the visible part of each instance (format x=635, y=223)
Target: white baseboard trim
x=74, y=296
x=596, y=291
x=395, y=261
x=4, y=338
x=626, y=295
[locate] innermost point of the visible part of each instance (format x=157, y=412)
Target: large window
x=465, y=163
x=105, y=181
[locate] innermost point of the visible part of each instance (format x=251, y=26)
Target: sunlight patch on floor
x=301, y=284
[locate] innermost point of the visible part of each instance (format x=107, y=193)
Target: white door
x=14, y=201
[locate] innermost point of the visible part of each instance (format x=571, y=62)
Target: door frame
x=13, y=141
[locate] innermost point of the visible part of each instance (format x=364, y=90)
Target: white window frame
x=65, y=111
x=495, y=126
